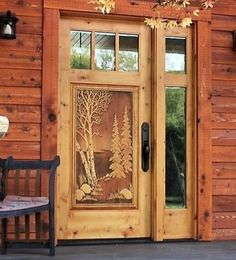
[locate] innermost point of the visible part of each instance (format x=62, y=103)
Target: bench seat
x=21, y=205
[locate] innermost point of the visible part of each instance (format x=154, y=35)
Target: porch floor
x=167, y=250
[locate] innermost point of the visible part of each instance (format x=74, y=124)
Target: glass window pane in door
x=80, y=50
x=175, y=60
x=128, y=52
x=175, y=147
x=105, y=51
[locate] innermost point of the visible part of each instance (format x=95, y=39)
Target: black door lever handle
x=146, y=150
x=145, y=147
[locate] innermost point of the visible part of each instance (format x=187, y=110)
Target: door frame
x=202, y=46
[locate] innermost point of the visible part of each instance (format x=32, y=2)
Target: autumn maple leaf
x=172, y=24
x=186, y=22
x=208, y=3
x=155, y=22
x=105, y=6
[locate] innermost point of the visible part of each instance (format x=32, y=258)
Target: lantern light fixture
x=8, y=25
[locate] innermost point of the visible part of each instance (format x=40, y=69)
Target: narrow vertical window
x=175, y=147
x=80, y=50
x=175, y=60
x=128, y=52
x=105, y=51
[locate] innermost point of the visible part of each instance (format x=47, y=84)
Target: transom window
x=105, y=51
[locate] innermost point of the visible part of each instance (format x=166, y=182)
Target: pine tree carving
x=116, y=158
x=126, y=144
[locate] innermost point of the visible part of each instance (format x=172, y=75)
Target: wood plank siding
x=223, y=121
x=26, y=93
x=20, y=80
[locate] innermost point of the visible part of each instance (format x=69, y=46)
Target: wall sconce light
x=234, y=40
x=8, y=25
x=4, y=125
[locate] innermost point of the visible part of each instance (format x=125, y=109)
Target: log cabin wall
x=224, y=120
x=20, y=88
x=20, y=80
x=20, y=100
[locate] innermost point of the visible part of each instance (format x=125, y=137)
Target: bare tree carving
x=126, y=144
x=90, y=107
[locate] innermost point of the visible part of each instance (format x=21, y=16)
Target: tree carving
x=90, y=107
x=126, y=144
x=116, y=158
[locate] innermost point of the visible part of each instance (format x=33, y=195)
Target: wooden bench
x=21, y=197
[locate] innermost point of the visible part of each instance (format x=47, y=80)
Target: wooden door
x=105, y=95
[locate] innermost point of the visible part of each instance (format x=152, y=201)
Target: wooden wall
x=20, y=80
x=224, y=120
x=20, y=100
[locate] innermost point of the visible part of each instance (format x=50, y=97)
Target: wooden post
x=50, y=90
x=50, y=83
x=204, y=160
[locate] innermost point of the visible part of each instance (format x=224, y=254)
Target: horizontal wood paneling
x=223, y=22
x=224, y=220
x=225, y=7
x=23, y=42
x=223, y=55
x=29, y=25
x=224, y=88
x=23, y=132
x=222, y=203
x=223, y=104
x=222, y=39
x=22, y=113
x=223, y=120
x=20, y=150
x=224, y=137
x=224, y=234
x=20, y=78
x=224, y=72
x=223, y=153
x=23, y=7
x=19, y=95
x=224, y=187
x=224, y=170
x=20, y=59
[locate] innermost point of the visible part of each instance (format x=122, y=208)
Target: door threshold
x=179, y=240
x=89, y=242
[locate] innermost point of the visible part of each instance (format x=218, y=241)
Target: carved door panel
x=105, y=94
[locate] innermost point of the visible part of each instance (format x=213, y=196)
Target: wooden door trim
x=139, y=8
x=204, y=150
x=203, y=82
x=50, y=83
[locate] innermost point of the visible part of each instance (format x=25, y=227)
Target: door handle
x=145, y=146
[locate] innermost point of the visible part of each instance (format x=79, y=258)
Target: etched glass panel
x=80, y=50
x=175, y=60
x=105, y=51
x=103, y=141
x=128, y=52
x=175, y=147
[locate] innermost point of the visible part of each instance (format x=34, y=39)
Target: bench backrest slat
x=24, y=178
